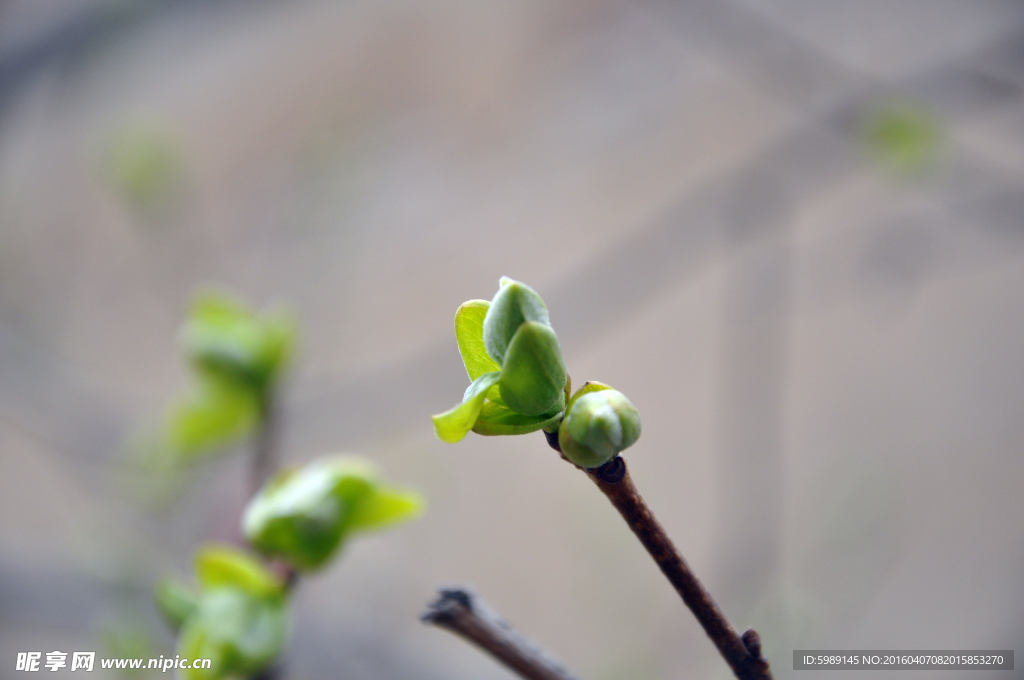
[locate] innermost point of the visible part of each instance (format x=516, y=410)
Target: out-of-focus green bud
x=904, y=135
x=145, y=162
x=211, y=414
x=239, y=632
x=219, y=566
x=225, y=339
x=533, y=375
x=599, y=423
x=175, y=601
x=515, y=304
x=305, y=515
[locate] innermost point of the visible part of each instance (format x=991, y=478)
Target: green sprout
x=238, y=615
x=297, y=520
x=304, y=516
x=520, y=384
x=238, y=357
x=237, y=618
x=599, y=423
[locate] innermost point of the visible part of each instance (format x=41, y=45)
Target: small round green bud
x=597, y=426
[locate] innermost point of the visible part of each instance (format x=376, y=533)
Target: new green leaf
x=533, y=375
x=513, y=305
x=304, y=516
x=211, y=414
x=496, y=419
x=454, y=424
x=384, y=508
x=469, y=333
x=240, y=633
x=218, y=566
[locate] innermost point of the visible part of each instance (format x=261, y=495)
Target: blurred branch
x=463, y=613
x=264, y=464
x=264, y=459
x=71, y=38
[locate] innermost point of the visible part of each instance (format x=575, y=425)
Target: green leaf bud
x=455, y=423
x=304, y=516
x=239, y=632
x=533, y=374
x=513, y=357
x=225, y=339
x=514, y=304
x=599, y=423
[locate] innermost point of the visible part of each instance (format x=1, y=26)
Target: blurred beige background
x=827, y=348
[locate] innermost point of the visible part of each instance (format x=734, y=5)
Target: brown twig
x=743, y=654
x=462, y=612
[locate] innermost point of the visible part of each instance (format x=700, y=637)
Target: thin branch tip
x=449, y=603
x=743, y=654
x=462, y=612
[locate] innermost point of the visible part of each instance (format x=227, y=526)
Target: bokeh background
x=790, y=231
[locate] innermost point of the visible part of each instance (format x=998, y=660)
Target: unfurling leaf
x=304, y=516
x=211, y=414
x=239, y=632
x=512, y=355
x=514, y=304
x=496, y=419
x=469, y=333
x=455, y=423
x=221, y=565
x=533, y=375
x=225, y=338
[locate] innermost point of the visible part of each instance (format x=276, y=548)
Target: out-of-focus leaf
x=145, y=163
x=533, y=374
x=904, y=136
x=454, y=424
x=304, y=516
x=175, y=601
x=495, y=419
x=469, y=333
x=384, y=508
x=223, y=337
x=219, y=566
x=514, y=304
x=240, y=633
x=299, y=516
x=211, y=414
